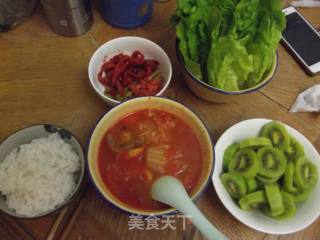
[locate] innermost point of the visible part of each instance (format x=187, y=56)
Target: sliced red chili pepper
x=137, y=58
x=108, y=65
x=132, y=71
x=120, y=88
x=127, y=79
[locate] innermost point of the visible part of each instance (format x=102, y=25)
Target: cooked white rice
x=39, y=176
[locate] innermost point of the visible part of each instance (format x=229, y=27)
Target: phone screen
x=302, y=39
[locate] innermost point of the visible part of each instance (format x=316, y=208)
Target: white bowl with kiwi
x=266, y=175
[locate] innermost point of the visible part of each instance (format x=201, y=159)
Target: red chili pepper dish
x=127, y=76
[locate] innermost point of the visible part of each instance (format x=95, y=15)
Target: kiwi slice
x=289, y=206
x=278, y=135
x=255, y=142
x=252, y=185
x=269, y=172
x=272, y=161
x=267, y=180
x=305, y=174
x=245, y=163
x=295, y=150
x=229, y=154
x=234, y=184
x=288, y=178
x=253, y=200
x=301, y=196
x=275, y=203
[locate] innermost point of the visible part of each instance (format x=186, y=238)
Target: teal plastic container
x=126, y=13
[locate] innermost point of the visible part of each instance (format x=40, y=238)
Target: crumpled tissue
x=308, y=100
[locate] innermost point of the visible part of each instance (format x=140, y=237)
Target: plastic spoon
x=170, y=190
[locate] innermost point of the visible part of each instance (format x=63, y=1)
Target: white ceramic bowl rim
x=249, y=90
x=96, y=53
x=255, y=219
x=81, y=172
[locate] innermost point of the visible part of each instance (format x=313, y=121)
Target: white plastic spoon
x=170, y=190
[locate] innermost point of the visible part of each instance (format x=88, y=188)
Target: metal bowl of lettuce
x=228, y=48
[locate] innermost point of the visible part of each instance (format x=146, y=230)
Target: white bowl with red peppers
x=129, y=67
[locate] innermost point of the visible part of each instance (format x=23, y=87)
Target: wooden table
x=43, y=79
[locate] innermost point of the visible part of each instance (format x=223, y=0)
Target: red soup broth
x=143, y=146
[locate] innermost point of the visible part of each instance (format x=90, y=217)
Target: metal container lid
x=65, y=4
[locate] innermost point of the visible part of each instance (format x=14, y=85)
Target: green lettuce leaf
x=194, y=67
x=263, y=57
x=226, y=7
x=229, y=64
x=194, y=33
x=263, y=47
x=187, y=6
x=244, y=25
x=230, y=44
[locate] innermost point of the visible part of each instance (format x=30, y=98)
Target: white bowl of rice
x=41, y=170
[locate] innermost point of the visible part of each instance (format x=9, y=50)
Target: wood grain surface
x=43, y=79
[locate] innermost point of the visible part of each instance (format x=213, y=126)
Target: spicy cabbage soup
x=141, y=147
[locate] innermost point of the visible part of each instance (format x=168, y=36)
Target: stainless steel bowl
x=26, y=135
x=216, y=95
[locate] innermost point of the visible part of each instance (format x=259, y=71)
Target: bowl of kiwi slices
x=266, y=175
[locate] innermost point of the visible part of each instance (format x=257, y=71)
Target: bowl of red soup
x=129, y=67
x=139, y=141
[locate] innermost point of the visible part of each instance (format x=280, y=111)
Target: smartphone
x=302, y=40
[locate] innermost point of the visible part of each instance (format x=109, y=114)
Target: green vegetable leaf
x=194, y=67
x=187, y=6
x=263, y=57
x=244, y=23
x=230, y=44
x=229, y=64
